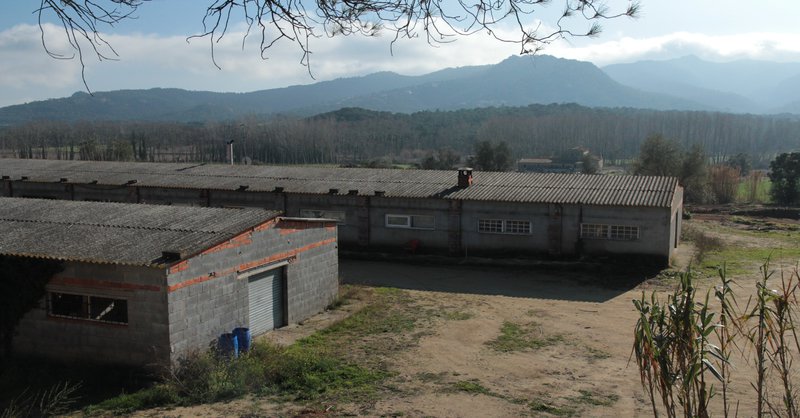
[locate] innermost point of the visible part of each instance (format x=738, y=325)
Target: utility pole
x=244, y=142
x=230, y=149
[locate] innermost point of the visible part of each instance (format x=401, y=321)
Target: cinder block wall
x=313, y=278
x=436, y=238
x=201, y=312
x=366, y=217
x=207, y=298
x=144, y=341
x=535, y=242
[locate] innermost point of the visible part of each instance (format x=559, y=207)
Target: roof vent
x=333, y=191
x=464, y=177
x=352, y=192
x=242, y=188
x=134, y=181
x=63, y=180
x=278, y=189
x=380, y=193
x=93, y=182
x=23, y=178
x=6, y=177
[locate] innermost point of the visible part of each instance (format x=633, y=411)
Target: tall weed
x=683, y=348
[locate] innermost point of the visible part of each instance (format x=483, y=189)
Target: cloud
x=756, y=45
x=21, y=68
x=147, y=60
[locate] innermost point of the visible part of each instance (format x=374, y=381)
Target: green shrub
x=157, y=395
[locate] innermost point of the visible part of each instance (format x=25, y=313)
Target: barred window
x=612, y=232
x=504, y=226
x=92, y=308
x=622, y=232
x=594, y=231
x=490, y=226
x=517, y=227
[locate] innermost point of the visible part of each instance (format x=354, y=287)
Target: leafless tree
x=298, y=22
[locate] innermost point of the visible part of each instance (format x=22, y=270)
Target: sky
x=153, y=50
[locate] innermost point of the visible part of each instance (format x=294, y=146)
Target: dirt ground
x=451, y=369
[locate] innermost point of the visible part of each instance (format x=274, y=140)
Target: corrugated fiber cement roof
x=623, y=190
x=116, y=233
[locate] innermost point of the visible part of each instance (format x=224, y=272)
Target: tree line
x=358, y=135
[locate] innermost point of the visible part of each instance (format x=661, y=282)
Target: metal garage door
x=266, y=301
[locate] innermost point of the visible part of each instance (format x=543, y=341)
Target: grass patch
x=595, y=354
x=430, y=377
x=704, y=242
x=293, y=373
x=346, y=294
x=590, y=398
x=516, y=337
x=158, y=395
x=539, y=405
x=340, y=364
x=372, y=323
x=775, y=244
x=472, y=386
x=458, y=315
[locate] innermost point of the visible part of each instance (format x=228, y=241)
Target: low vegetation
x=516, y=337
x=293, y=373
x=684, y=346
x=325, y=367
x=742, y=243
x=55, y=400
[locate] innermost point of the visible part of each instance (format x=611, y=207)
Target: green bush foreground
x=295, y=372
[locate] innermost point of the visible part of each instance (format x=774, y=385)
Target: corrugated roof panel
x=493, y=186
x=114, y=232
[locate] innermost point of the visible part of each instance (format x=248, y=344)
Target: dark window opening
x=93, y=308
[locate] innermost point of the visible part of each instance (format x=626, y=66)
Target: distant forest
x=356, y=136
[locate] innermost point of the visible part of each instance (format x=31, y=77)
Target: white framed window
x=410, y=221
x=594, y=231
x=611, y=232
x=504, y=226
x=492, y=226
x=623, y=232
x=86, y=307
x=338, y=215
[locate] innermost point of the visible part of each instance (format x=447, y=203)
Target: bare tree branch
x=275, y=21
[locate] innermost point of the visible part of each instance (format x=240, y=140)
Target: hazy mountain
x=737, y=86
x=519, y=81
x=513, y=82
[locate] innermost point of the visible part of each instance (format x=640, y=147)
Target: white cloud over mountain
x=147, y=60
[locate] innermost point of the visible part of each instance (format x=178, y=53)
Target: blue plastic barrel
x=228, y=345
x=244, y=338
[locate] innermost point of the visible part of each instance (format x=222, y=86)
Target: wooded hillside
x=354, y=135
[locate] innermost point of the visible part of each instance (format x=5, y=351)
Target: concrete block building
x=145, y=284
x=457, y=212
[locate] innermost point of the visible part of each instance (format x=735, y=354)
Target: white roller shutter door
x=266, y=301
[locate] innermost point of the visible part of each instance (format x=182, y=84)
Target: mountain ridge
x=515, y=81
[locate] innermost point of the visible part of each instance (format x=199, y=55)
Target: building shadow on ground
x=574, y=284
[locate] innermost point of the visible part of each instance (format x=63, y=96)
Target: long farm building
x=459, y=212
